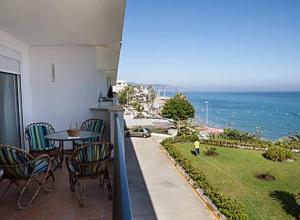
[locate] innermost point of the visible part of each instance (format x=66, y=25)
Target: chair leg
x=108, y=184
x=49, y=175
x=72, y=182
x=61, y=158
x=101, y=180
x=79, y=191
x=23, y=189
x=56, y=162
x=37, y=190
x=6, y=190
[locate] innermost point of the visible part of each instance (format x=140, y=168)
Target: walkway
x=157, y=190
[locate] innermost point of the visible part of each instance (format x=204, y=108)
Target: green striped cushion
x=12, y=161
x=36, y=134
x=90, y=154
x=95, y=125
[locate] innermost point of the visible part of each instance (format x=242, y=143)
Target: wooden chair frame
x=14, y=179
x=75, y=176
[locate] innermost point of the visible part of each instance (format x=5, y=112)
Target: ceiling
x=63, y=22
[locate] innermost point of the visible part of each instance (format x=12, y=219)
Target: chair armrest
x=43, y=156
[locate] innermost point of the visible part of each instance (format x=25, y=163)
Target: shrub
x=230, y=207
x=191, y=136
x=235, y=134
x=211, y=151
x=277, y=153
x=289, y=143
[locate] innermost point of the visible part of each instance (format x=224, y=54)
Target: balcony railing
x=121, y=198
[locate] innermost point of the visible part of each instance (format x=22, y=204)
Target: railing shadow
x=141, y=204
x=288, y=202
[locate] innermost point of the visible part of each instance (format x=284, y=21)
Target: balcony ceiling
x=63, y=22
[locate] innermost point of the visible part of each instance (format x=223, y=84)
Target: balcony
x=63, y=204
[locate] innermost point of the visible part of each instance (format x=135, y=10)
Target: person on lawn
x=197, y=148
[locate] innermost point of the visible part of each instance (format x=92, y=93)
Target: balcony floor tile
x=61, y=203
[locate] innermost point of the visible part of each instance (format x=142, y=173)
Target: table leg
x=61, y=146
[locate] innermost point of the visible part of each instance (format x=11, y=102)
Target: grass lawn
x=233, y=171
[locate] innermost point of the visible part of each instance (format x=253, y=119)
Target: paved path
x=157, y=190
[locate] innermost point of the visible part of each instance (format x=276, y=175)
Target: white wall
x=107, y=64
x=81, y=73
x=75, y=89
x=18, y=50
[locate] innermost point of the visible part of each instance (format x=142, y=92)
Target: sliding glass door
x=10, y=104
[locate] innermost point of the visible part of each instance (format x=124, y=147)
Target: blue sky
x=213, y=45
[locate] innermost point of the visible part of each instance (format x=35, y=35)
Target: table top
x=63, y=136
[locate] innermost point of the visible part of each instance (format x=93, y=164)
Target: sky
x=213, y=45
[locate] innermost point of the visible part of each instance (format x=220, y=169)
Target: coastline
x=276, y=114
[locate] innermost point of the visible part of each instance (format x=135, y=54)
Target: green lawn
x=233, y=172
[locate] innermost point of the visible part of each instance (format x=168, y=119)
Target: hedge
x=229, y=207
x=257, y=144
x=236, y=138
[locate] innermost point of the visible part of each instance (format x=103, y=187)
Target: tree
x=151, y=96
x=138, y=107
x=178, y=108
x=125, y=94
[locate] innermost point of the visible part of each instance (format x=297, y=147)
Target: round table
x=63, y=136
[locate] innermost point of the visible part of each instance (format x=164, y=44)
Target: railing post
x=113, y=111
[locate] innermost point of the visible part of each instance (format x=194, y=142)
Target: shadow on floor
x=61, y=203
x=288, y=202
x=141, y=204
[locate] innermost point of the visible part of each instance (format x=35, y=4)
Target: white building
x=120, y=85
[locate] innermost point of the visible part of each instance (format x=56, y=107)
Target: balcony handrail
x=121, y=198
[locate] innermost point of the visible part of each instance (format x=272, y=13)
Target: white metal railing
x=121, y=197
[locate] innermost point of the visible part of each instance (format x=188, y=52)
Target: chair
x=38, y=145
x=89, y=162
x=19, y=166
x=95, y=125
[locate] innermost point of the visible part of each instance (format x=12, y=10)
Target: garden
x=245, y=176
x=245, y=181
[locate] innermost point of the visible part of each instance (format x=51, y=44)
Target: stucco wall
x=74, y=90
x=81, y=73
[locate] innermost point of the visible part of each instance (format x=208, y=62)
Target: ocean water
x=275, y=114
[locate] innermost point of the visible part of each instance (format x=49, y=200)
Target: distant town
x=141, y=101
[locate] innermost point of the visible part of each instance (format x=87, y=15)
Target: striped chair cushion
x=41, y=166
x=95, y=125
x=84, y=161
x=36, y=135
x=18, y=164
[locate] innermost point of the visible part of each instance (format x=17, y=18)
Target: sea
x=271, y=114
